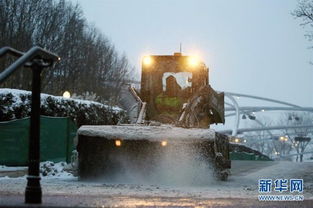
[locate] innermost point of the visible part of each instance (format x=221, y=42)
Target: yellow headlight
x=164, y=143
x=118, y=143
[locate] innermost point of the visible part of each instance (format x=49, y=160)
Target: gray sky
x=251, y=46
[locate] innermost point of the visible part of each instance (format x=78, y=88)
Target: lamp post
x=283, y=144
x=33, y=193
x=293, y=119
x=302, y=142
x=37, y=58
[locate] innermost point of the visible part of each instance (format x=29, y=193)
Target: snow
x=4, y=177
x=55, y=170
x=243, y=183
x=6, y=168
x=133, y=132
x=48, y=169
x=241, y=187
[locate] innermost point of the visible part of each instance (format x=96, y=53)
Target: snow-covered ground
x=48, y=169
x=243, y=183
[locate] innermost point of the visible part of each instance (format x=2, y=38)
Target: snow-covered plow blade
x=151, y=153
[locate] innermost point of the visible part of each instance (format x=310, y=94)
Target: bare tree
x=261, y=140
x=89, y=61
x=294, y=119
x=304, y=12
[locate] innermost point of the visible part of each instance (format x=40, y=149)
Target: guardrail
x=36, y=58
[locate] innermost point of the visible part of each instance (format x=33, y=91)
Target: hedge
x=16, y=104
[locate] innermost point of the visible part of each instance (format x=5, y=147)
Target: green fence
x=56, y=140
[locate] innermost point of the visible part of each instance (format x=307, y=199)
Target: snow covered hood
x=134, y=132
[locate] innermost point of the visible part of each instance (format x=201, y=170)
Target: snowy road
x=241, y=190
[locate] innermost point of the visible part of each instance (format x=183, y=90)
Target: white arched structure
x=232, y=108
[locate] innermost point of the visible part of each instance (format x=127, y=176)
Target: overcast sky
x=251, y=46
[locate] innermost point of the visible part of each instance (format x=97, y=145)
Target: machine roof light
x=147, y=60
x=193, y=61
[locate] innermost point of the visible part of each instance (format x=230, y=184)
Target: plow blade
x=151, y=154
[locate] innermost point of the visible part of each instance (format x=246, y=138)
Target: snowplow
x=168, y=138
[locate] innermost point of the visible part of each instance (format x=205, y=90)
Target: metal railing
x=36, y=58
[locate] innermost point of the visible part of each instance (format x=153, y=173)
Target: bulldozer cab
x=168, y=82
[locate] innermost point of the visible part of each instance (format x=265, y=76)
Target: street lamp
x=293, y=117
x=251, y=117
x=237, y=140
x=67, y=94
x=283, y=139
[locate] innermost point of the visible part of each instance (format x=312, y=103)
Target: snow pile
x=48, y=169
x=152, y=133
x=4, y=177
x=57, y=170
x=16, y=104
x=6, y=168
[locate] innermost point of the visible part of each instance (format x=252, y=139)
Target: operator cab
x=168, y=81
